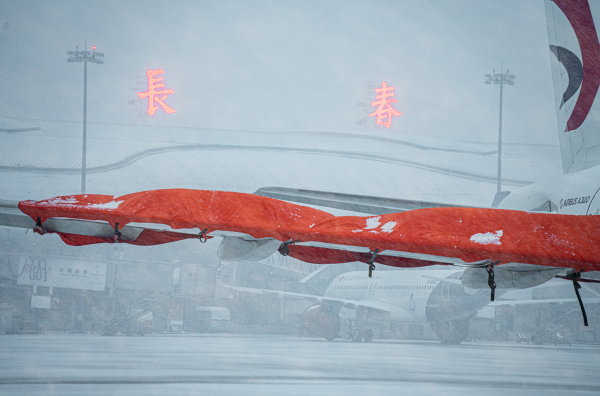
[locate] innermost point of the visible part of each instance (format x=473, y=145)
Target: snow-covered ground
x=75, y=364
x=126, y=158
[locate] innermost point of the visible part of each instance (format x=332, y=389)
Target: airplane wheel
x=368, y=335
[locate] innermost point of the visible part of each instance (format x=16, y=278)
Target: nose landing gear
x=359, y=333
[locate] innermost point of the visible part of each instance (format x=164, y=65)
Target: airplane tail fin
x=575, y=65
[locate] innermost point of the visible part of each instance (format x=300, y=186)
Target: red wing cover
x=470, y=234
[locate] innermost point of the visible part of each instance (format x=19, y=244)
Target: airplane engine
x=234, y=249
x=321, y=320
x=452, y=332
x=450, y=308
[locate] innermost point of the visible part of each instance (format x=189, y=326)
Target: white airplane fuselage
x=574, y=193
x=404, y=293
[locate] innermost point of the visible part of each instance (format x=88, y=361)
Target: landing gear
x=359, y=333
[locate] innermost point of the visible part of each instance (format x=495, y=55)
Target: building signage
x=384, y=111
x=80, y=274
x=156, y=95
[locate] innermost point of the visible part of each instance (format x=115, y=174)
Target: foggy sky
x=285, y=66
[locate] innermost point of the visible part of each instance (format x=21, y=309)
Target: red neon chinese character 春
x=152, y=93
x=384, y=112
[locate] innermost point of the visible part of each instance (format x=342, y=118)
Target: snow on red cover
x=469, y=234
x=181, y=208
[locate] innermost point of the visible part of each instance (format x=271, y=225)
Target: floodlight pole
x=84, y=148
x=85, y=57
x=500, y=78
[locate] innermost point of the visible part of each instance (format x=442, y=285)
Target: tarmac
x=207, y=364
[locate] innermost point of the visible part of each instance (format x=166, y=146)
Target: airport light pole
x=500, y=78
x=85, y=57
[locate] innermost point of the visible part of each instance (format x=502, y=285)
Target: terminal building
x=122, y=289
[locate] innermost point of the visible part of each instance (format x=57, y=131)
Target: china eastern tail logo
x=583, y=73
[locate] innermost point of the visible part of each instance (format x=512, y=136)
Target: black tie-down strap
x=491, y=281
x=117, y=234
x=284, y=250
x=202, y=236
x=574, y=276
x=371, y=263
x=39, y=227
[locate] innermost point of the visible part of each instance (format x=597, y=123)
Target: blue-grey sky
x=285, y=65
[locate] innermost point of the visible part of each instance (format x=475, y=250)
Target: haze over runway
x=216, y=364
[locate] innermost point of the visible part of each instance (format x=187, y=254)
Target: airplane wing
x=542, y=301
x=446, y=235
x=75, y=231
x=353, y=304
x=477, y=276
x=351, y=202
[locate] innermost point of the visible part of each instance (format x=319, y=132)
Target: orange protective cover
x=470, y=234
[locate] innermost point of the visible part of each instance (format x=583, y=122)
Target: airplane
x=432, y=296
x=421, y=296
x=534, y=234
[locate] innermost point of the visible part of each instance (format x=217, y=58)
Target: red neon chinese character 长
x=152, y=93
x=384, y=112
